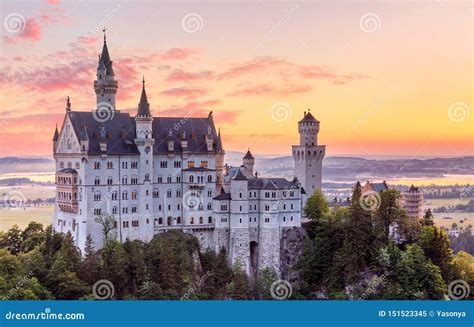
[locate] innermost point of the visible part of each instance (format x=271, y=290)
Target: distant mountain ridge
x=334, y=168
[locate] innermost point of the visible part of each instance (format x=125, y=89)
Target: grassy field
x=22, y=217
x=433, y=203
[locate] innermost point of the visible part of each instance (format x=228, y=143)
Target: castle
x=156, y=174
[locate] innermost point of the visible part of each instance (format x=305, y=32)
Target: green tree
x=316, y=206
x=108, y=224
x=32, y=236
x=239, y=288
x=13, y=239
x=263, y=283
x=91, y=264
x=427, y=219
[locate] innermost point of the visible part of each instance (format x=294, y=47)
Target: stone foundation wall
x=291, y=249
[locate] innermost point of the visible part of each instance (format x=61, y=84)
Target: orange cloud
x=266, y=89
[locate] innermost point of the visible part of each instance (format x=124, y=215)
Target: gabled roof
x=270, y=183
x=105, y=58
x=239, y=176
x=56, y=134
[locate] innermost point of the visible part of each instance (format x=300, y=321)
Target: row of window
x=134, y=180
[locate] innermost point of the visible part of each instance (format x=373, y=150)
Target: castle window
x=178, y=220
x=169, y=207
x=160, y=179
x=209, y=178
x=96, y=196
x=292, y=193
x=178, y=193
x=170, y=220
x=156, y=194
x=96, y=165
x=190, y=164
x=223, y=220
x=134, y=195
x=168, y=194
x=191, y=179
x=267, y=220
x=114, y=210
x=160, y=221
x=125, y=195
x=209, y=220
x=97, y=181
x=240, y=208
x=284, y=194
x=147, y=177
x=61, y=164
x=178, y=179
x=240, y=222
x=164, y=164
x=178, y=206
x=284, y=206
x=110, y=165
x=292, y=206
x=124, y=180
x=209, y=206
x=250, y=219
x=159, y=207
x=134, y=164
x=267, y=194
x=125, y=210
x=274, y=194
x=177, y=164
x=134, y=209
x=146, y=206
x=267, y=207
x=125, y=224
x=114, y=195
x=169, y=179
x=255, y=194
x=191, y=220
x=223, y=207
x=291, y=218
x=77, y=165
x=109, y=181
x=134, y=180
x=240, y=195
x=147, y=149
x=209, y=193
x=255, y=219
x=97, y=211
x=201, y=220
x=147, y=221
x=204, y=163
x=284, y=218
x=124, y=164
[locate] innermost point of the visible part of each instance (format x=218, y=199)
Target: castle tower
x=308, y=156
x=248, y=163
x=219, y=162
x=144, y=141
x=239, y=222
x=105, y=85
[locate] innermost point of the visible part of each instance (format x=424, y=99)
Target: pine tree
x=428, y=218
x=90, y=266
x=239, y=288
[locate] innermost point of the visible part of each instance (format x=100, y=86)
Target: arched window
x=191, y=220
x=201, y=220
x=191, y=179
x=170, y=221
x=160, y=221
x=178, y=220
x=210, y=220
x=209, y=178
x=97, y=181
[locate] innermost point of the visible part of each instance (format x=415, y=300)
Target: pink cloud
x=183, y=92
x=255, y=65
x=179, y=75
x=266, y=89
x=31, y=32
x=179, y=53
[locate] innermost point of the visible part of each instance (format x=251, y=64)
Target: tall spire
x=143, y=106
x=105, y=57
x=105, y=85
x=56, y=134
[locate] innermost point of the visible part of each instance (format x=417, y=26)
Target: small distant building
x=412, y=202
x=374, y=187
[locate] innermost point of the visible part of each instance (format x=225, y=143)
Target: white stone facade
x=155, y=174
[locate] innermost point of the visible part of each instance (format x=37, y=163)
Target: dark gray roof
x=120, y=132
x=194, y=129
x=271, y=183
x=239, y=176
x=308, y=117
x=105, y=58
x=248, y=155
x=143, y=106
x=56, y=134
x=223, y=196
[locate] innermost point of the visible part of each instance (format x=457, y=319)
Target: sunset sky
x=383, y=77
